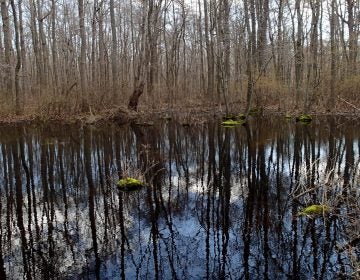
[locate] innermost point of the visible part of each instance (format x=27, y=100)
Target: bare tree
x=331, y=100
x=82, y=62
x=18, y=58
x=7, y=48
x=114, y=51
x=312, y=78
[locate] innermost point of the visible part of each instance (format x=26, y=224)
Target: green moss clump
x=241, y=117
x=231, y=123
x=130, y=184
x=254, y=111
x=304, y=119
x=315, y=209
x=229, y=118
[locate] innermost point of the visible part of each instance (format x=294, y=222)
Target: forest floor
x=185, y=114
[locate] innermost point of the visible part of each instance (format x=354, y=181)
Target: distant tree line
x=81, y=53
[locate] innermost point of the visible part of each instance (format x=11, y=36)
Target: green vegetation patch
x=304, y=119
x=254, y=111
x=231, y=123
x=241, y=117
x=130, y=184
x=229, y=118
x=315, y=209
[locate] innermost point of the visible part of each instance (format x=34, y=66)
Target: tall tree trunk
x=102, y=53
x=263, y=20
x=201, y=53
x=36, y=47
x=18, y=58
x=114, y=51
x=82, y=62
x=299, y=55
x=353, y=36
x=209, y=49
x=331, y=100
x=224, y=50
x=55, y=82
x=250, y=52
x=44, y=53
x=280, y=43
x=7, y=49
x=312, y=68
x=93, y=46
x=143, y=61
x=24, y=80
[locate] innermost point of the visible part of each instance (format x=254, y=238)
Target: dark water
x=220, y=203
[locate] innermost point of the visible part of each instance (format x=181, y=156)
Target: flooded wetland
x=217, y=202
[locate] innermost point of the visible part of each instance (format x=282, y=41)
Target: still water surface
x=220, y=203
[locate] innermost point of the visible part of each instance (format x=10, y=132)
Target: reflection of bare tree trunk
x=92, y=193
x=64, y=194
x=295, y=178
x=349, y=163
x=249, y=210
x=263, y=182
x=225, y=196
x=2, y=267
x=29, y=185
x=122, y=231
x=19, y=209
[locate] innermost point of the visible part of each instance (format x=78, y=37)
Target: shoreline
x=186, y=114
